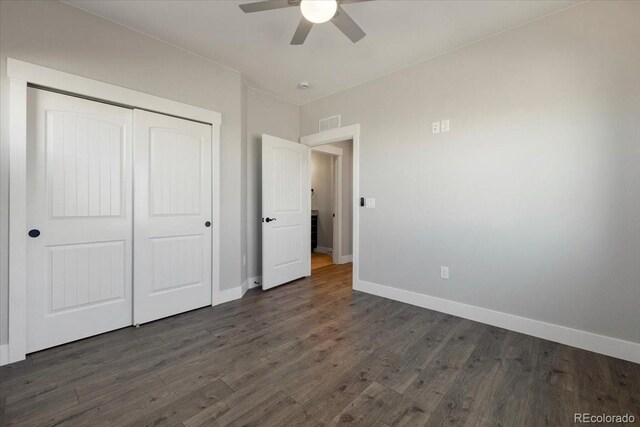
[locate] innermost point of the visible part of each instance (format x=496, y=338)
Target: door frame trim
x=351, y=132
x=20, y=75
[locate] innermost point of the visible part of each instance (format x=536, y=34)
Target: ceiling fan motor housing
x=315, y=13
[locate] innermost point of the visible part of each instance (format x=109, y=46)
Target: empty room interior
x=319, y=212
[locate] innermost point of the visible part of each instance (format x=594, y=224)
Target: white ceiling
x=399, y=33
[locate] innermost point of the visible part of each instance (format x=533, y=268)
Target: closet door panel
x=172, y=245
x=79, y=216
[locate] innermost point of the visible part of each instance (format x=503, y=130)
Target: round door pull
x=207, y=224
x=34, y=233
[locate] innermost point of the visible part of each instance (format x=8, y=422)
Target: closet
x=119, y=211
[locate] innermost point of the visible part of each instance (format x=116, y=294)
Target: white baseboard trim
x=609, y=346
x=323, y=250
x=4, y=354
x=232, y=294
x=345, y=259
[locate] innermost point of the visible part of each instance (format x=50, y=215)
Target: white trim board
x=323, y=250
x=228, y=295
x=614, y=347
x=346, y=259
x=20, y=75
x=74, y=84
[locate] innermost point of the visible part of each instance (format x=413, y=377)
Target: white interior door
x=172, y=232
x=79, y=217
x=286, y=215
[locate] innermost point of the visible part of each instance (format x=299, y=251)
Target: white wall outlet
x=444, y=273
x=370, y=202
x=435, y=127
x=444, y=125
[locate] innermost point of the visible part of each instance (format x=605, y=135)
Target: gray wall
x=244, y=106
x=273, y=116
x=58, y=36
x=532, y=199
x=321, y=183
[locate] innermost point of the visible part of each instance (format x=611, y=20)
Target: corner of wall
x=4, y=354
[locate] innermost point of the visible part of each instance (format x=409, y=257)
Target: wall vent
x=329, y=123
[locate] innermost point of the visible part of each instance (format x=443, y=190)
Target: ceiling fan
x=313, y=12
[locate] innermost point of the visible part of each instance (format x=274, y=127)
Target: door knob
x=270, y=219
x=207, y=224
x=34, y=233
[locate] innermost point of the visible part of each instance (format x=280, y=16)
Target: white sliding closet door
x=79, y=218
x=172, y=232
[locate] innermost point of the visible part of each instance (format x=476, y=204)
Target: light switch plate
x=444, y=125
x=444, y=273
x=435, y=127
x=370, y=202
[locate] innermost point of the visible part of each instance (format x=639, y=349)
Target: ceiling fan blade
x=347, y=25
x=301, y=32
x=261, y=6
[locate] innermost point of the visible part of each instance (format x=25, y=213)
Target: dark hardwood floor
x=314, y=352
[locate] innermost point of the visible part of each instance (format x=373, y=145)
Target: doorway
x=345, y=134
x=331, y=210
x=286, y=205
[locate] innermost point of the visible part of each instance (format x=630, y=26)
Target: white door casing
x=79, y=198
x=286, y=211
x=173, y=214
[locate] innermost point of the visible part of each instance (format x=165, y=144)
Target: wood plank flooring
x=314, y=352
x=319, y=260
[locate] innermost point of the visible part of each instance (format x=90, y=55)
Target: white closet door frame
x=21, y=74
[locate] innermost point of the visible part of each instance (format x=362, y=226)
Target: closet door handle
x=270, y=219
x=34, y=233
x=207, y=224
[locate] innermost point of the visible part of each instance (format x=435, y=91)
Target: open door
x=286, y=216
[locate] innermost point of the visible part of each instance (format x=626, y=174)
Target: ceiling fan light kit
x=313, y=12
x=318, y=11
